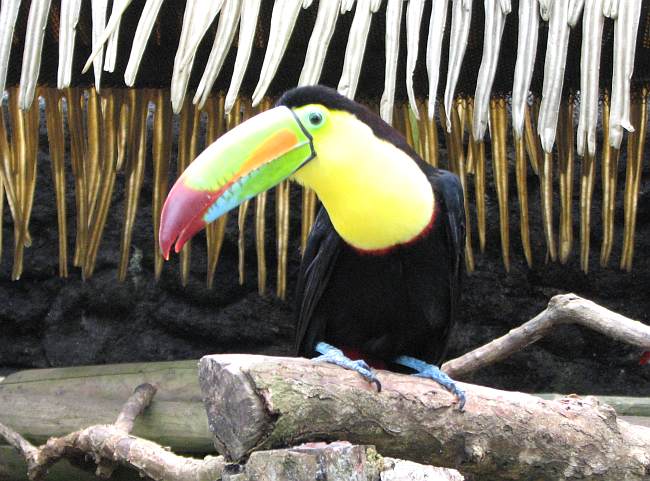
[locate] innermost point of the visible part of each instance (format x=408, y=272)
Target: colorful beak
x=251, y=158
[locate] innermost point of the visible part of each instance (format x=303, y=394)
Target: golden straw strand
x=54, y=118
x=533, y=145
x=479, y=188
x=609, y=175
x=32, y=135
x=408, y=131
x=565, y=138
x=423, y=129
x=282, y=220
x=457, y=134
x=542, y=164
x=308, y=216
x=459, y=169
x=475, y=164
x=586, y=191
x=245, y=106
x=111, y=100
x=418, y=128
x=93, y=157
x=6, y=171
x=216, y=230
x=134, y=176
x=448, y=142
x=30, y=125
x=522, y=192
x=162, y=150
x=398, y=120
x=241, y=240
x=461, y=108
x=260, y=239
x=2, y=191
x=127, y=132
x=73, y=97
x=636, y=144
x=546, y=181
x=469, y=116
x=431, y=140
x=19, y=157
x=498, y=125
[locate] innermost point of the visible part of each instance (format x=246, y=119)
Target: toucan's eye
x=315, y=118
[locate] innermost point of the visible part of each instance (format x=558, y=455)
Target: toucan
x=380, y=278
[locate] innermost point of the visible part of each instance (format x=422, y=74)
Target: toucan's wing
x=319, y=258
x=450, y=191
x=432, y=268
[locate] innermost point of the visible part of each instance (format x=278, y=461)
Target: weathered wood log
x=43, y=403
x=110, y=445
x=336, y=461
x=258, y=402
x=176, y=418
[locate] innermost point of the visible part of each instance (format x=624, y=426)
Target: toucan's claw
x=333, y=355
x=430, y=371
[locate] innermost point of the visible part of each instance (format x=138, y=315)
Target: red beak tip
x=164, y=251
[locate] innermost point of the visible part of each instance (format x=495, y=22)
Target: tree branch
x=111, y=443
x=24, y=447
x=562, y=309
x=259, y=402
x=133, y=407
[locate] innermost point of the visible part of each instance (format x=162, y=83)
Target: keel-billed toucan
x=381, y=272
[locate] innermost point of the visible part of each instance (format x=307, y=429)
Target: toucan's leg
x=333, y=355
x=430, y=371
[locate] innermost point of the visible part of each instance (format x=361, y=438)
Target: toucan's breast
x=377, y=197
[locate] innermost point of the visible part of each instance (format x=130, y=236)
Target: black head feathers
x=332, y=100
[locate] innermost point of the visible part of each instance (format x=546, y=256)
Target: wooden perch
x=562, y=309
x=110, y=445
x=259, y=402
x=256, y=402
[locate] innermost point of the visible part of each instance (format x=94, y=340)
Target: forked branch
x=111, y=444
x=562, y=309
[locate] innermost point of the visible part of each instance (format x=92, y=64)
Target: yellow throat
x=375, y=194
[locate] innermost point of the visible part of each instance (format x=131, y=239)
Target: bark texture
x=500, y=435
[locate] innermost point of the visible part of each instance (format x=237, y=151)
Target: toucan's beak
x=251, y=158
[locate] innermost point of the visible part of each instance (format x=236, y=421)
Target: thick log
x=336, y=461
x=258, y=402
x=107, y=446
x=42, y=403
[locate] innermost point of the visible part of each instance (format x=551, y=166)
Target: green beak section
x=249, y=159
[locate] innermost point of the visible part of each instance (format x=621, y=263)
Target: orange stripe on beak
x=272, y=148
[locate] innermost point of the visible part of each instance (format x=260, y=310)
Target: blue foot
x=430, y=371
x=335, y=356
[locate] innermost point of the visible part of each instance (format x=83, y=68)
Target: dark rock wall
x=47, y=321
